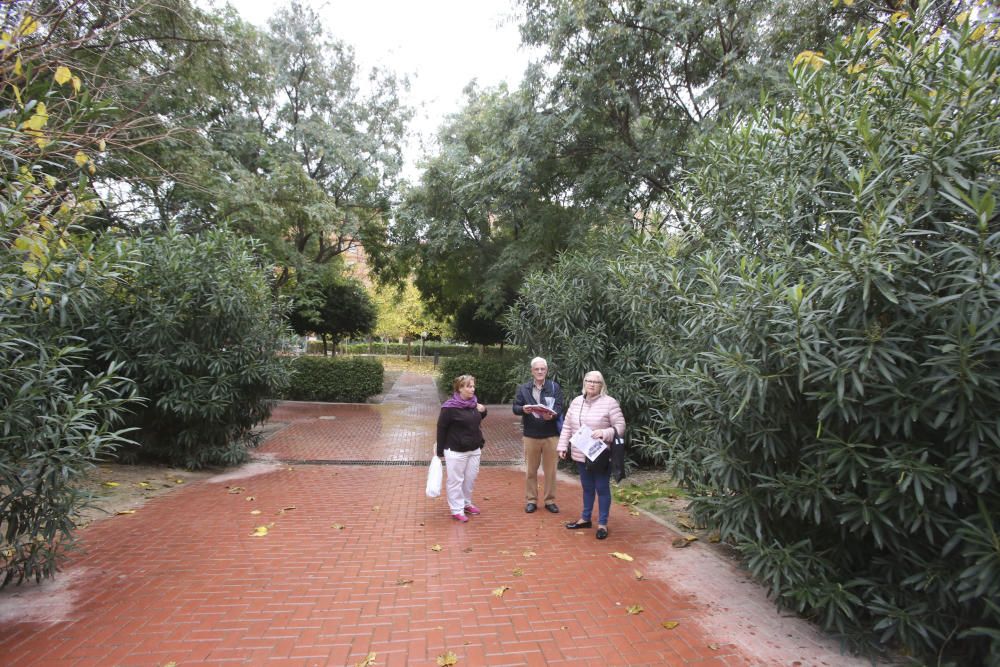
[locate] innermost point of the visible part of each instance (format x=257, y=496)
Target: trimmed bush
x=335, y=380
x=496, y=379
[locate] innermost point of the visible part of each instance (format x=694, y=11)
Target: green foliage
x=59, y=409
x=58, y=416
x=197, y=327
x=352, y=380
x=333, y=306
x=470, y=326
x=489, y=207
x=820, y=341
x=431, y=348
x=496, y=378
x=571, y=316
x=402, y=314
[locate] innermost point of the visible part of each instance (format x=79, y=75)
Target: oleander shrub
x=351, y=380
x=496, y=378
x=819, y=336
x=198, y=328
x=570, y=314
x=828, y=343
x=60, y=410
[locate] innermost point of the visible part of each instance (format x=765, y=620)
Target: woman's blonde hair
x=594, y=375
x=461, y=381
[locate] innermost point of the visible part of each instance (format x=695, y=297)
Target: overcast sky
x=440, y=44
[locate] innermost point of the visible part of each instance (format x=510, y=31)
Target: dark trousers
x=599, y=483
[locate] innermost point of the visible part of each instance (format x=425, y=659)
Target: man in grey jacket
x=541, y=435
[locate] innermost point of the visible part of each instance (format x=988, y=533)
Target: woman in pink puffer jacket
x=603, y=415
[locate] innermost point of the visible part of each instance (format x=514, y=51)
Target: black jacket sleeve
x=519, y=400
x=442, y=430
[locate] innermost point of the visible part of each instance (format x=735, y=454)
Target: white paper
x=594, y=449
x=584, y=441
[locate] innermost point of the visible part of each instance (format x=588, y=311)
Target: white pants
x=463, y=468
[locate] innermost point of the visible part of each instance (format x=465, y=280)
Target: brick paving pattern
x=348, y=567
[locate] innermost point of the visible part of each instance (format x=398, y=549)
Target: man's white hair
x=537, y=359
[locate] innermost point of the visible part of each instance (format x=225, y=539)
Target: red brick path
x=183, y=581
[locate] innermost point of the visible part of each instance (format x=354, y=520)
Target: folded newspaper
x=584, y=441
x=539, y=410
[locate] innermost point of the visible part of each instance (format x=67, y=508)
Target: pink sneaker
x=461, y=518
x=472, y=509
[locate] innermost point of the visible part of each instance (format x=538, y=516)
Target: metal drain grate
x=361, y=462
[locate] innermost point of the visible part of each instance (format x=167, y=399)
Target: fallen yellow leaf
x=260, y=531
x=530, y=554
x=235, y=489
x=639, y=576
x=447, y=659
x=403, y=582
x=634, y=609
x=337, y=526
x=178, y=481
x=376, y=508
x=500, y=591
x=436, y=547
x=110, y=485
x=634, y=512
x=125, y=512
x=670, y=625
x=250, y=498
x=619, y=555
x=517, y=572
x=142, y=485
x=255, y=512
x=286, y=509
x=368, y=661
x=714, y=647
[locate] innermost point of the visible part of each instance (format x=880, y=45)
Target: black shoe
x=578, y=524
x=530, y=507
x=552, y=507
x=602, y=533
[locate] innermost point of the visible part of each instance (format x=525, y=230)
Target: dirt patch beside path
x=116, y=488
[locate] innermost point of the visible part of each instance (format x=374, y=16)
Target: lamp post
x=423, y=335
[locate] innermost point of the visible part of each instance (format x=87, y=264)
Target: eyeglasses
x=593, y=382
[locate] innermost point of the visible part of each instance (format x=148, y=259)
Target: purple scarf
x=456, y=401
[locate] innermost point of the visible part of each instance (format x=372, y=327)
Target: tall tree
x=633, y=79
x=489, y=205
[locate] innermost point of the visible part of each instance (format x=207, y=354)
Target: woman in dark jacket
x=460, y=442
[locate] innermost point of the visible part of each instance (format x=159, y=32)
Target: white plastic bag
x=434, y=478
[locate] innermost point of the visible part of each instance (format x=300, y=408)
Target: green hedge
x=496, y=378
x=430, y=349
x=332, y=379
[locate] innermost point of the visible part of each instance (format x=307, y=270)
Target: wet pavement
x=355, y=565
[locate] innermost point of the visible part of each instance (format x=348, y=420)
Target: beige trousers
x=540, y=450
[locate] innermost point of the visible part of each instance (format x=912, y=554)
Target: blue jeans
x=601, y=484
